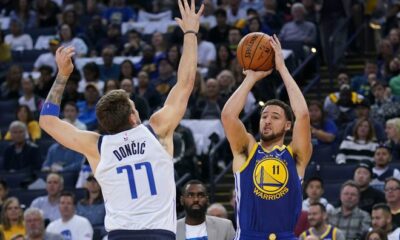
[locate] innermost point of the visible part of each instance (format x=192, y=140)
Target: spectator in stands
x=24, y=114
x=362, y=111
x=91, y=74
x=385, y=55
x=184, y=152
x=127, y=70
x=45, y=81
x=353, y=221
x=166, y=79
x=48, y=13
x=70, y=113
x=382, y=169
x=254, y=24
x=376, y=235
x=49, y=203
x=110, y=84
x=369, y=196
x=234, y=13
x=34, y=225
x=394, y=84
x=323, y=129
x=158, y=42
x=48, y=58
x=226, y=83
x=118, y=12
x=392, y=195
x=24, y=13
x=5, y=52
x=271, y=16
x=6, y=7
x=219, y=33
x=384, y=107
x=70, y=225
x=12, y=219
x=209, y=107
x=314, y=189
x=196, y=224
x=361, y=80
x=382, y=220
x=70, y=17
x=17, y=39
x=21, y=154
x=113, y=38
x=29, y=98
x=61, y=159
x=223, y=62
x=68, y=38
x=208, y=19
x=146, y=90
x=360, y=145
x=3, y=192
x=148, y=62
x=87, y=107
x=299, y=29
x=206, y=50
x=94, y=32
x=393, y=134
x=317, y=217
x=140, y=103
x=109, y=69
x=199, y=92
x=92, y=206
x=71, y=93
x=10, y=88
x=134, y=45
x=217, y=210
x=234, y=37
x=173, y=54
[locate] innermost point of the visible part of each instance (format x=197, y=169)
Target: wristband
x=50, y=108
x=190, y=31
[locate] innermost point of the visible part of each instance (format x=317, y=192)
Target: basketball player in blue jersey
x=267, y=173
x=133, y=164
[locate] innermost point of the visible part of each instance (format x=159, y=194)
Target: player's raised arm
x=66, y=134
x=167, y=118
x=301, y=140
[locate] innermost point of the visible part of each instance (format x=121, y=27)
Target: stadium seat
x=27, y=196
x=332, y=192
x=8, y=106
x=333, y=173
x=44, y=145
x=16, y=179
x=3, y=145
x=322, y=154
x=36, y=32
x=5, y=119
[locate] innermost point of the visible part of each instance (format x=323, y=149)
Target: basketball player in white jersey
x=133, y=164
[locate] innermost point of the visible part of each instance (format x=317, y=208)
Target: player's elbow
x=227, y=116
x=303, y=115
x=45, y=122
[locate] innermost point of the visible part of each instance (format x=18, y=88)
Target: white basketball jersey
x=136, y=175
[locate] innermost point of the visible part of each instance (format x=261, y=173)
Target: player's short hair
x=113, y=111
x=193, y=182
x=286, y=108
x=320, y=205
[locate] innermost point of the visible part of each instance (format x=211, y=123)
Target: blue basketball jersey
x=329, y=234
x=268, y=195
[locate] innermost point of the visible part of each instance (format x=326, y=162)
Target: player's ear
x=288, y=125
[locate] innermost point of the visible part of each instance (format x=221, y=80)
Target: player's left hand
x=190, y=20
x=256, y=75
x=64, y=61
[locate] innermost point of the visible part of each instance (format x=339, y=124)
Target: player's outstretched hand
x=256, y=75
x=276, y=45
x=190, y=20
x=64, y=61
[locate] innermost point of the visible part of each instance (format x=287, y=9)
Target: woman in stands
x=128, y=70
x=12, y=219
x=393, y=134
x=110, y=84
x=323, y=130
x=25, y=115
x=223, y=61
x=360, y=146
x=29, y=98
x=173, y=55
x=92, y=206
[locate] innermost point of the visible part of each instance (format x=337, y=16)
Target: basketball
x=255, y=52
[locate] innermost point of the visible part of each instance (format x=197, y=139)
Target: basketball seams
x=253, y=53
x=266, y=59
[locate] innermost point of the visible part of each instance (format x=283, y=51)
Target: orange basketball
x=255, y=52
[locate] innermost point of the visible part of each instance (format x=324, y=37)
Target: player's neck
x=194, y=221
x=269, y=145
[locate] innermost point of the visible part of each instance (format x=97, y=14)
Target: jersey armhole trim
x=252, y=152
x=99, y=143
x=148, y=126
x=290, y=150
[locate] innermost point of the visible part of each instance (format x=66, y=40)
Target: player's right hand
x=64, y=61
x=256, y=75
x=190, y=20
x=276, y=45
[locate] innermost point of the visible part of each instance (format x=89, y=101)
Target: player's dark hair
x=286, y=108
x=192, y=182
x=113, y=111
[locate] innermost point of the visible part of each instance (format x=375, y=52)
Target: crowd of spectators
x=136, y=46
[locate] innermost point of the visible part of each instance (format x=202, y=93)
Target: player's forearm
x=57, y=90
x=236, y=102
x=296, y=98
x=188, y=63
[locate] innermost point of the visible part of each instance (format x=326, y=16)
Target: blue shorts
x=151, y=234
x=250, y=235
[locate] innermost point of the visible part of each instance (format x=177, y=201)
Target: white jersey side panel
x=136, y=175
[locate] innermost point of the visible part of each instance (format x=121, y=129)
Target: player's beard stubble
x=272, y=136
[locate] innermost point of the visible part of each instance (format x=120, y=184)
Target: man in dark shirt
x=219, y=33
x=369, y=196
x=21, y=154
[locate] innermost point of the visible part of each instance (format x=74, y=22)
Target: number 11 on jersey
x=131, y=178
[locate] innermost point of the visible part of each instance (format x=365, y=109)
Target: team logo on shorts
x=270, y=178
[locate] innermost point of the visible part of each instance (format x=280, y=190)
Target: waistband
x=252, y=235
x=154, y=234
